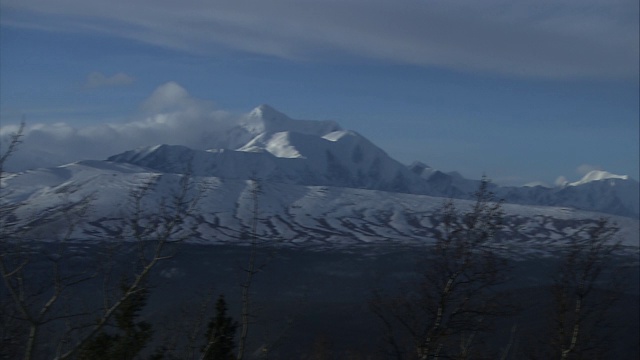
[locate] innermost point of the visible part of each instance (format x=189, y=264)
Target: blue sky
x=521, y=91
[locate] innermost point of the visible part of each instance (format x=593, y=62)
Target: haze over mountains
x=320, y=184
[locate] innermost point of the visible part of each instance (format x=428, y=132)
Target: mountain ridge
x=328, y=155
x=289, y=215
x=269, y=145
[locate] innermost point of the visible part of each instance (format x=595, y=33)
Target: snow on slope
x=371, y=168
x=290, y=215
x=597, y=191
x=339, y=158
x=264, y=122
x=265, y=119
x=268, y=144
x=618, y=195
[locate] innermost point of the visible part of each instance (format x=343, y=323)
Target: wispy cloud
x=531, y=38
x=97, y=79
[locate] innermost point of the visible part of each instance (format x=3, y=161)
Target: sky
x=521, y=91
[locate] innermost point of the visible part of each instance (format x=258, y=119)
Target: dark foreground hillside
x=314, y=303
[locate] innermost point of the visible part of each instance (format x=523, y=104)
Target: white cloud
x=168, y=96
x=561, y=181
x=531, y=38
x=169, y=116
x=97, y=79
x=536, y=183
x=584, y=169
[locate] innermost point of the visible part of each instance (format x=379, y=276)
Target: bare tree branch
x=455, y=301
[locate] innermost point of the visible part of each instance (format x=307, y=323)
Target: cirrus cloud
x=531, y=38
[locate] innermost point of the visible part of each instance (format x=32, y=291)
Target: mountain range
x=319, y=184
x=270, y=146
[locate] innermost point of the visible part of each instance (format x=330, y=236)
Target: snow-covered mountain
x=263, y=122
x=320, y=185
x=279, y=149
x=268, y=145
x=288, y=214
x=597, y=191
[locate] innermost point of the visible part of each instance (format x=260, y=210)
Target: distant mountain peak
x=266, y=119
x=597, y=175
x=419, y=164
x=421, y=169
x=267, y=113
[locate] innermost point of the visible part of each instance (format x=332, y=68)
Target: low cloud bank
x=169, y=116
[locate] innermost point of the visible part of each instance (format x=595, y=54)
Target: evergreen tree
x=220, y=334
x=130, y=337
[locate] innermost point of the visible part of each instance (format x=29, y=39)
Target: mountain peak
x=419, y=165
x=268, y=113
x=597, y=175
x=266, y=119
